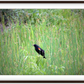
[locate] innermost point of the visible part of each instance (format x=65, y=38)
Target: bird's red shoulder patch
x=39, y=49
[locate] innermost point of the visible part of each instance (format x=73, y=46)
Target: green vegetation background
x=59, y=32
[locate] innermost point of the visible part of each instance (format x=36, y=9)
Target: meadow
x=60, y=32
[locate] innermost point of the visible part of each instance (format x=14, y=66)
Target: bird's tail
x=44, y=57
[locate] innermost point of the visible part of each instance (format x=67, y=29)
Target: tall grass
x=58, y=32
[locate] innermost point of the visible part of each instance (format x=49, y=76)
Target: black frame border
x=41, y=1
x=34, y=81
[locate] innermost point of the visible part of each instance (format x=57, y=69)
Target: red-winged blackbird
x=39, y=50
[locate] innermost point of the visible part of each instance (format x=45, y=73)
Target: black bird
x=39, y=50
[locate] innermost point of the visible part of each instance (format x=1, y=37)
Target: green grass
x=58, y=32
